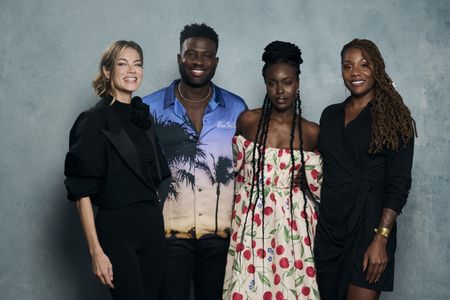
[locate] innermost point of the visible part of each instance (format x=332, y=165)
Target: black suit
x=104, y=163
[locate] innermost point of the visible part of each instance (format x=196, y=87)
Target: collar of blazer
x=124, y=146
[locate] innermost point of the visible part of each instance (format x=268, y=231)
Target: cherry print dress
x=278, y=262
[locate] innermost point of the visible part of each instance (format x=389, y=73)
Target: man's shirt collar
x=217, y=97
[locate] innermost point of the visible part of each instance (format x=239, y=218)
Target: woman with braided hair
x=277, y=172
x=367, y=147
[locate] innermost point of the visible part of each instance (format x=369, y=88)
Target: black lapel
x=151, y=135
x=348, y=162
x=123, y=144
x=339, y=115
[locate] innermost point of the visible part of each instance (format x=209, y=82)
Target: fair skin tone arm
x=101, y=266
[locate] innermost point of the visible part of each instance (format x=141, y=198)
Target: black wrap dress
x=356, y=187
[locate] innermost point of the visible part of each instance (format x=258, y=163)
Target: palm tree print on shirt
x=178, y=155
x=186, y=156
x=220, y=175
x=192, y=155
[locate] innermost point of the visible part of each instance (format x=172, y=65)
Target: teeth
x=198, y=72
x=357, y=82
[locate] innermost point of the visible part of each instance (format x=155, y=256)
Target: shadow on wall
x=73, y=257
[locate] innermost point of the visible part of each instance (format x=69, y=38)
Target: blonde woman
x=115, y=163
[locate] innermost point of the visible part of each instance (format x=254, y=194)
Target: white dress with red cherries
x=277, y=264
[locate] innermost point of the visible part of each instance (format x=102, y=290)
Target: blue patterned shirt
x=198, y=199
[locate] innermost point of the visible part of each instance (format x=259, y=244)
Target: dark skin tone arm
x=375, y=257
x=375, y=260
x=311, y=130
x=247, y=122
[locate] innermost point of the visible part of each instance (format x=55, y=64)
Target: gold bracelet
x=383, y=231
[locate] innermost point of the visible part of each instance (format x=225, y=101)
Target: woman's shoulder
x=334, y=107
x=248, y=120
x=250, y=115
x=310, y=128
x=91, y=119
x=311, y=132
x=331, y=111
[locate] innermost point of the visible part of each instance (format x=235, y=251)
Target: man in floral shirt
x=195, y=123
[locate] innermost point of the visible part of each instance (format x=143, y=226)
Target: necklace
x=192, y=101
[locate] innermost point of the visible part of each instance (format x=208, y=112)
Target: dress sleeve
x=84, y=165
x=238, y=158
x=238, y=153
x=398, y=176
x=313, y=170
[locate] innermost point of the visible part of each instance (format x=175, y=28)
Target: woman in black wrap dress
x=367, y=148
x=115, y=163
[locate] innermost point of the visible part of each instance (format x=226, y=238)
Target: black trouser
x=202, y=260
x=133, y=239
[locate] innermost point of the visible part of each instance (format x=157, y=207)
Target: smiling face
x=282, y=84
x=126, y=75
x=357, y=74
x=197, y=61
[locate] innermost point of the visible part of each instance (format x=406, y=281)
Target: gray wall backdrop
x=49, y=50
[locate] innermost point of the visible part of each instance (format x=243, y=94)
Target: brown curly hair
x=391, y=118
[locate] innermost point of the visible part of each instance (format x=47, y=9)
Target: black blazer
x=103, y=162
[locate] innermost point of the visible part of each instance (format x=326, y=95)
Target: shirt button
x=193, y=232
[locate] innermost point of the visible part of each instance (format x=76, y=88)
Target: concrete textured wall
x=49, y=50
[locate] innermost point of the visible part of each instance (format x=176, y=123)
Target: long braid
x=256, y=169
x=303, y=181
x=391, y=118
x=262, y=164
x=292, y=183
